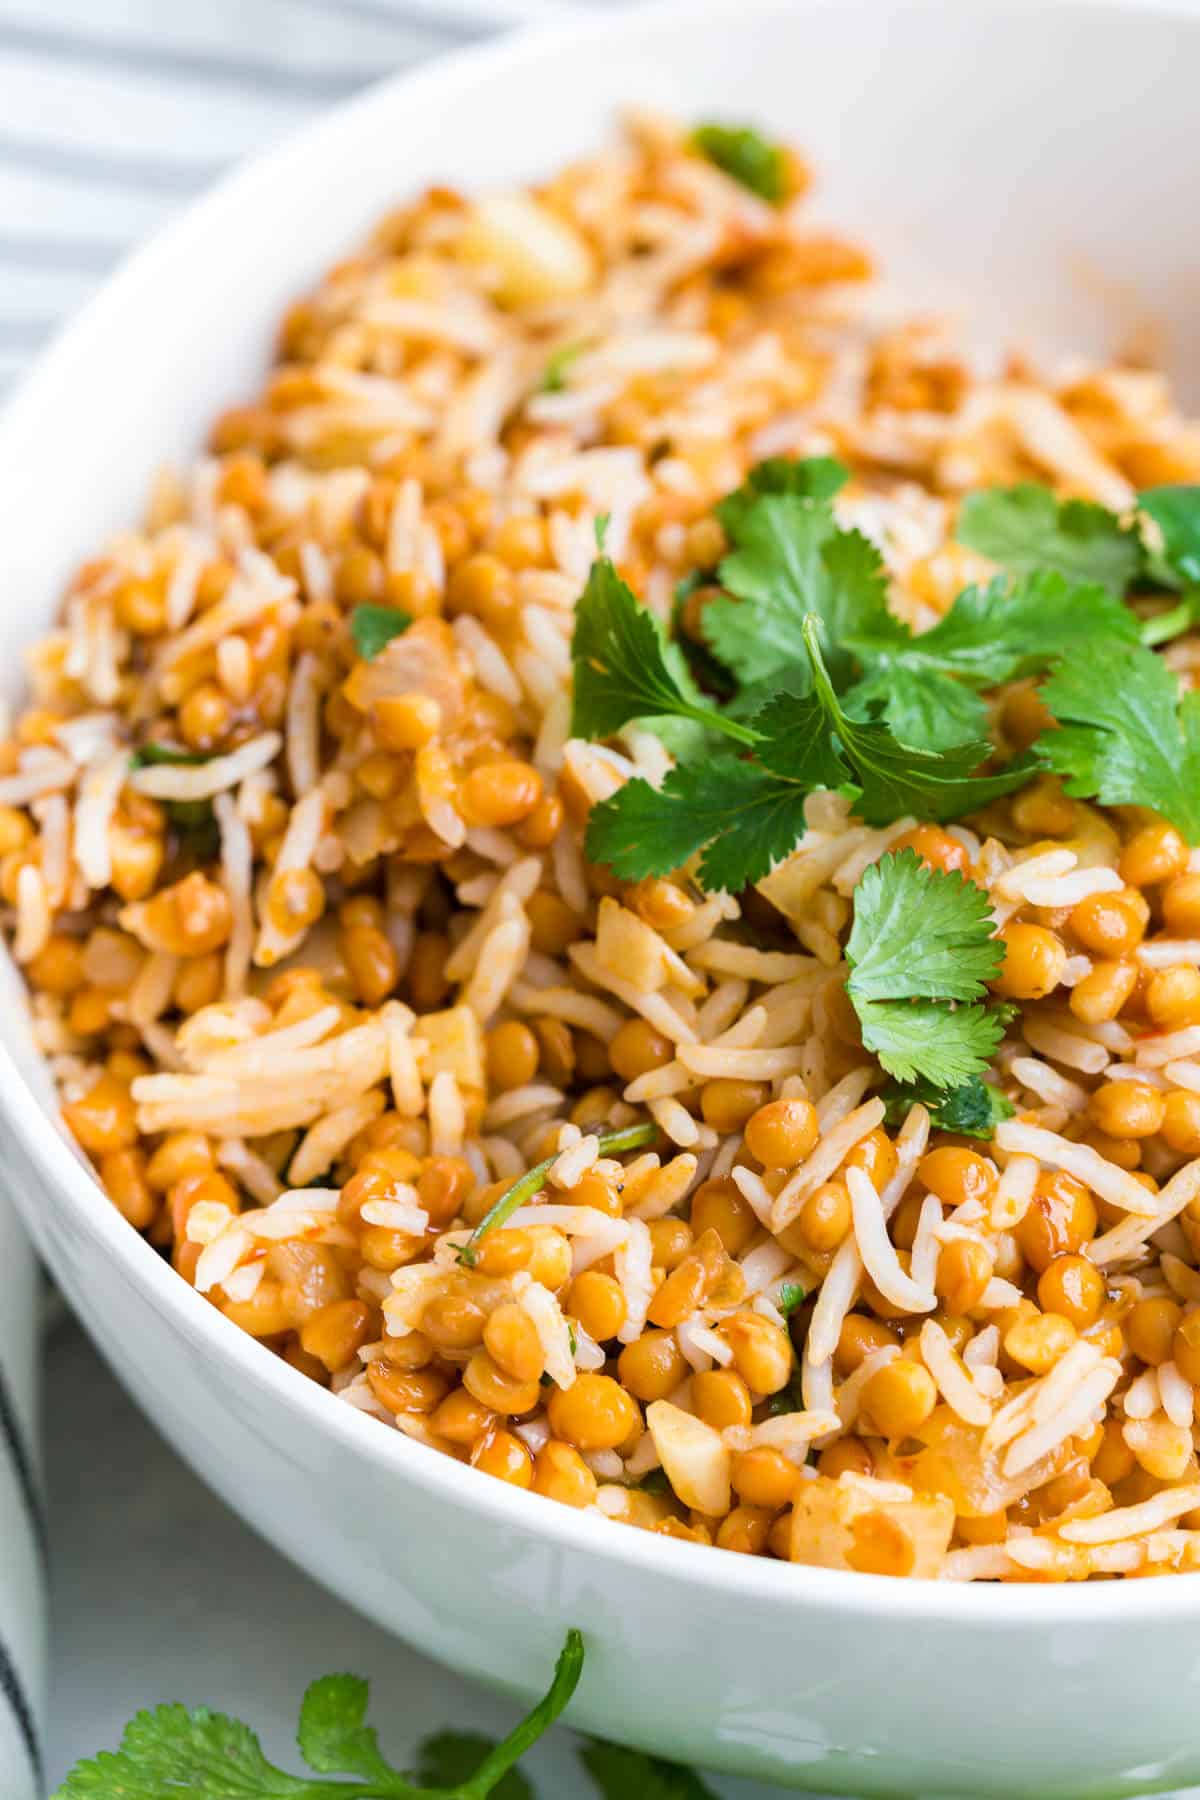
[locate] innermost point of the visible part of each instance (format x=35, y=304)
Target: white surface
x=735, y=1659
x=116, y=112
x=160, y=1593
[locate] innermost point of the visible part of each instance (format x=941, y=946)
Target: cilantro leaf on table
x=973, y=1109
x=621, y=1774
x=921, y=940
x=789, y=561
x=1026, y=529
x=173, y=1754
x=744, y=819
x=747, y=157
x=333, y=1734
x=198, y=1755
x=625, y=667
x=1125, y=735
x=372, y=627
x=924, y=682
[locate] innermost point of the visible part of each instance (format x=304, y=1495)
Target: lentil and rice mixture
x=321, y=968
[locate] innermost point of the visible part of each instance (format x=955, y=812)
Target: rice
x=341, y=925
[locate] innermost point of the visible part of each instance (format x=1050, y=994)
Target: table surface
x=160, y=1593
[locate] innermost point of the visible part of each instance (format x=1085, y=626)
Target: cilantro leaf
x=450, y=1759
x=333, y=1734
x=973, y=1109
x=901, y=905
x=791, y=1295
x=893, y=779
x=924, y=706
x=372, y=627
x=989, y=635
x=1176, y=512
x=1026, y=528
x=922, y=938
x=746, y=156
x=744, y=819
x=1125, y=736
x=804, y=477
x=622, y=1774
x=789, y=561
x=912, y=1038
x=625, y=669
x=173, y=1754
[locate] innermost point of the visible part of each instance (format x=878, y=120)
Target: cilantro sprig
x=921, y=952
x=525, y=1187
x=203, y=1755
x=744, y=813
x=171, y=1753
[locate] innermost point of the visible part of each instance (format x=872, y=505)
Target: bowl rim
x=778, y=1587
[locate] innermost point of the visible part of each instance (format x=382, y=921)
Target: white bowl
x=992, y=153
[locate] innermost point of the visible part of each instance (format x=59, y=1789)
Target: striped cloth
x=22, y=1533
x=116, y=112
x=113, y=114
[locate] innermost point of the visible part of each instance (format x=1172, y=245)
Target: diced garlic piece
x=694, y=1456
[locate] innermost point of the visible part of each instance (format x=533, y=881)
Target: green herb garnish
x=202, y=1755
x=929, y=685
x=558, y=367
x=747, y=156
x=973, y=1109
x=372, y=627
x=1126, y=734
x=612, y=1143
x=921, y=947
x=147, y=754
x=791, y=1295
x=747, y=815
x=1027, y=530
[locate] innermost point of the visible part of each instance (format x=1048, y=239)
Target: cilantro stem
x=634, y=1137
x=567, y=1671
x=708, y=715
x=811, y=632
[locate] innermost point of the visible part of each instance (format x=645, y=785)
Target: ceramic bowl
x=1033, y=164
